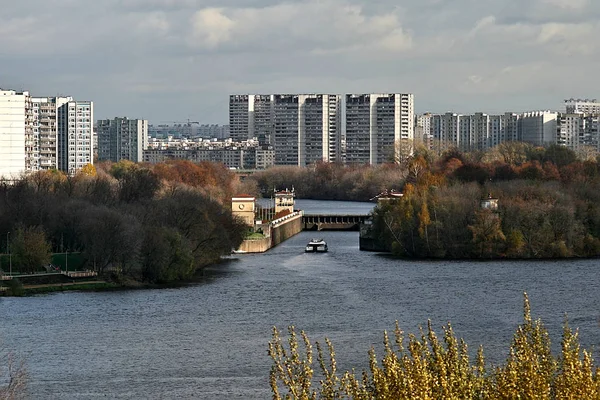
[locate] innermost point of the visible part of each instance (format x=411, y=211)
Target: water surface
x=209, y=341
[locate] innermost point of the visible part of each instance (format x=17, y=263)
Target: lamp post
x=9, y=253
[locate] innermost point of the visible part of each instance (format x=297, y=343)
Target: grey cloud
x=178, y=59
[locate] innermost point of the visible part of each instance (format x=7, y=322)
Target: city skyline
x=167, y=61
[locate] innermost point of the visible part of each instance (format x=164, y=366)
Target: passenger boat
x=316, y=246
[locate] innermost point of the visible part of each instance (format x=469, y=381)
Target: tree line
x=157, y=223
x=548, y=205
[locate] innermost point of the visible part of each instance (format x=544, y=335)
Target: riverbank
x=22, y=289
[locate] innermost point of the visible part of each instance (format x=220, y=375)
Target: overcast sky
x=170, y=60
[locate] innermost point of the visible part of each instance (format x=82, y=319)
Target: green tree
x=30, y=249
x=559, y=155
x=166, y=256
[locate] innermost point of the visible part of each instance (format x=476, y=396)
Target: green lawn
x=75, y=262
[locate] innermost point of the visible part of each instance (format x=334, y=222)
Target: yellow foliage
x=431, y=368
x=88, y=170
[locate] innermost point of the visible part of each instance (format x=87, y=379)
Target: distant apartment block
x=220, y=132
x=302, y=128
x=577, y=131
x=45, y=111
x=582, y=106
x=539, y=127
x=480, y=131
x=42, y=133
x=75, y=142
x=424, y=130
x=191, y=129
x=232, y=156
x=122, y=139
x=374, y=126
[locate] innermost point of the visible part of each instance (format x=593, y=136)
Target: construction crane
x=188, y=122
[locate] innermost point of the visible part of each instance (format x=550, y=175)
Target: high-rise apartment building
x=15, y=132
x=251, y=116
x=424, y=130
x=539, y=127
x=75, y=129
x=582, y=106
x=446, y=131
x=301, y=128
x=45, y=111
x=320, y=128
x=286, y=132
x=41, y=133
x=122, y=139
x=241, y=109
x=577, y=131
x=375, y=125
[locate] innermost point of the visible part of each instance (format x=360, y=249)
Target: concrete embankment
x=278, y=231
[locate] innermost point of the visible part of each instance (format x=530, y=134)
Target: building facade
x=75, y=130
x=307, y=128
x=539, y=127
x=122, y=139
x=375, y=125
x=582, y=106
x=45, y=111
x=232, y=157
x=478, y=131
x=13, y=127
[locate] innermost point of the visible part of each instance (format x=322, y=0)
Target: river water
x=209, y=340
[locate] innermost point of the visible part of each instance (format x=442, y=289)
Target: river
x=209, y=340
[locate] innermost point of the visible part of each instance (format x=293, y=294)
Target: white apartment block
x=374, y=126
x=122, y=139
x=582, y=106
x=75, y=142
x=539, y=127
x=14, y=126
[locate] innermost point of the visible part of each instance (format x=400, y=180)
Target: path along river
x=209, y=341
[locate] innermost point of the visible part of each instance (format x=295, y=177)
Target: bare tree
x=13, y=377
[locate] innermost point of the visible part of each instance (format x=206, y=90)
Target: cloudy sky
x=170, y=60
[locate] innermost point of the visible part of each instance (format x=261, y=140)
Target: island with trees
x=548, y=201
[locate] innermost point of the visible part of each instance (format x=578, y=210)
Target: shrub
x=428, y=367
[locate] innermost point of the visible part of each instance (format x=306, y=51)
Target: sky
x=174, y=60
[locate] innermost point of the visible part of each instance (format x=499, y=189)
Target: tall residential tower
x=122, y=139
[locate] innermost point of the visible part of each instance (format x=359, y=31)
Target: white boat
x=316, y=246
